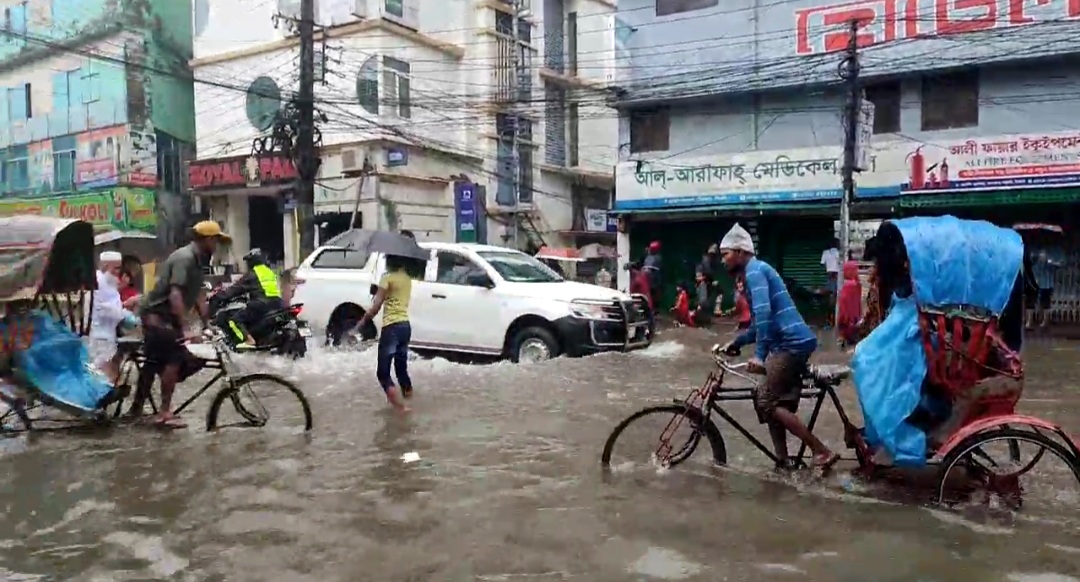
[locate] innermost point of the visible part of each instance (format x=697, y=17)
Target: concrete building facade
x=444, y=102
x=732, y=112
x=97, y=112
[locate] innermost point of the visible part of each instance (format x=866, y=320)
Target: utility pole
x=307, y=158
x=849, y=72
x=360, y=192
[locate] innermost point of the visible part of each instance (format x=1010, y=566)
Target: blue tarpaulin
x=952, y=262
x=56, y=364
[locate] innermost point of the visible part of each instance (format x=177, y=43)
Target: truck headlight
x=588, y=310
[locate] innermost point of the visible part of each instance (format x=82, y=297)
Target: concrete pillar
x=236, y=224
x=622, y=247
x=291, y=234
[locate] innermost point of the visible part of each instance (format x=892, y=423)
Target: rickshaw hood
x=961, y=262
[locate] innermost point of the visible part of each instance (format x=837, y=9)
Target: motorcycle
x=280, y=331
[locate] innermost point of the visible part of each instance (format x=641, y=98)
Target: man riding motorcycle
x=260, y=284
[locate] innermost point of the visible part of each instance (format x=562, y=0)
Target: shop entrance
x=265, y=228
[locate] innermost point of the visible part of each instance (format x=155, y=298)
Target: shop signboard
x=115, y=208
x=465, y=212
x=241, y=172
x=762, y=176
x=994, y=163
x=1021, y=161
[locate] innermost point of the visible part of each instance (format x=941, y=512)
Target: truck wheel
x=533, y=344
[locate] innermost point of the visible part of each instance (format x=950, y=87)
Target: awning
x=992, y=198
x=864, y=207
x=554, y=254
x=273, y=191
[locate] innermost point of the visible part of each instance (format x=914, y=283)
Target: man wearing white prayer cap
x=108, y=313
x=783, y=347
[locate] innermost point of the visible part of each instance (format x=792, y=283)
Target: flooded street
x=507, y=487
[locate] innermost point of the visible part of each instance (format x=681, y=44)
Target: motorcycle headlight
x=588, y=309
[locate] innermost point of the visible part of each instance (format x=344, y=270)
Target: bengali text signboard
x=116, y=208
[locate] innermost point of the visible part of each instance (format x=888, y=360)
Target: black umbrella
x=380, y=241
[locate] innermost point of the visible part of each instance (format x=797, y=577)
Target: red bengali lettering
x=832, y=25
x=974, y=15
x=824, y=29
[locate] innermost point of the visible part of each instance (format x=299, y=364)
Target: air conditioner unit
x=352, y=160
x=403, y=12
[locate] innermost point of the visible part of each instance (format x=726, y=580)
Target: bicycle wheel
x=14, y=420
x=994, y=463
x=132, y=376
x=662, y=444
x=251, y=404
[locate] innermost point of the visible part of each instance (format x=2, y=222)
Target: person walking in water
x=394, y=293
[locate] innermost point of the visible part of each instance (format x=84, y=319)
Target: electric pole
x=307, y=158
x=849, y=73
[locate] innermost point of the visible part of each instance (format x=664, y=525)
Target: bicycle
x=819, y=384
x=236, y=384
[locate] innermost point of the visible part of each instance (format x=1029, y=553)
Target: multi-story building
x=433, y=117
x=732, y=111
x=96, y=111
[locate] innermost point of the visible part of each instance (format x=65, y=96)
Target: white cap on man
x=737, y=239
x=110, y=257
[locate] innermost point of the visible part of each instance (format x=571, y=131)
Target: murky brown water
x=508, y=487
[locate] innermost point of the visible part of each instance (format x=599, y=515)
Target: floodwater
x=495, y=477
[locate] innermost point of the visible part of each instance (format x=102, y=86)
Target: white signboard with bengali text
x=896, y=167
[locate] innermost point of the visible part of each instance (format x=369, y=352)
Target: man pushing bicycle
x=784, y=345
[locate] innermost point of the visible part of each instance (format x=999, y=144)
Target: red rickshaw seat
x=959, y=345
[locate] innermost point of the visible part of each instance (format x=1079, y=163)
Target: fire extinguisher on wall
x=917, y=167
x=944, y=173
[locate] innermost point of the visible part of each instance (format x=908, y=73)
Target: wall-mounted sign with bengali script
x=996, y=163
x=896, y=167
x=763, y=176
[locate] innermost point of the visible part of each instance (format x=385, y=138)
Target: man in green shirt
x=178, y=291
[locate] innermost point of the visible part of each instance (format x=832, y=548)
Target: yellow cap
x=209, y=228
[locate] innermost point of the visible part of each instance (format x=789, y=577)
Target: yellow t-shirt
x=398, y=287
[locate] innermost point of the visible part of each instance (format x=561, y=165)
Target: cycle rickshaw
x=938, y=380
x=47, y=284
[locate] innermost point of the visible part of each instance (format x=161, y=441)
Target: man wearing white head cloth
x=784, y=344
x=108, y=313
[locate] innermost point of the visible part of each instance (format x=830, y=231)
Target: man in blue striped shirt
x=784, y=345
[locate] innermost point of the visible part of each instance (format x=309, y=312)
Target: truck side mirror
x=479, y=280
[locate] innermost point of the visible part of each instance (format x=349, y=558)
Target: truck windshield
x=519, y=267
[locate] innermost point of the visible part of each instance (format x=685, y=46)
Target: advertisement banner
x=140, y=159
x=98, y=156
x=996, y=163
x=41, y=166
x=465, y=212
x=118, y=208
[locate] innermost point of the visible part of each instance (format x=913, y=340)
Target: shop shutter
x=801, y=242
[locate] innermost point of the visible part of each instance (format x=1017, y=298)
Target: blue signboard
x=396, y=157
x=465, y=212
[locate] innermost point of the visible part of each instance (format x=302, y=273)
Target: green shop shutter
x=798, y=243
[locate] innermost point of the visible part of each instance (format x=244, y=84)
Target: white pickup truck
x=476, y=299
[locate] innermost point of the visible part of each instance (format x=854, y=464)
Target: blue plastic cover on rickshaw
x=43, y=257
x=952, y=262
x=56, y=364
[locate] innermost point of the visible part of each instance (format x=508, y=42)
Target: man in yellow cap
x=178, y=290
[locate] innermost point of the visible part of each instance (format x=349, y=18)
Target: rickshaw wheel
x=969, y=457
x=16, y=412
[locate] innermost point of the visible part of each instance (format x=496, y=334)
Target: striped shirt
x=777, y=325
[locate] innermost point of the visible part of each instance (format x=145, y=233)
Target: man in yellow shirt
x=395, y=290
